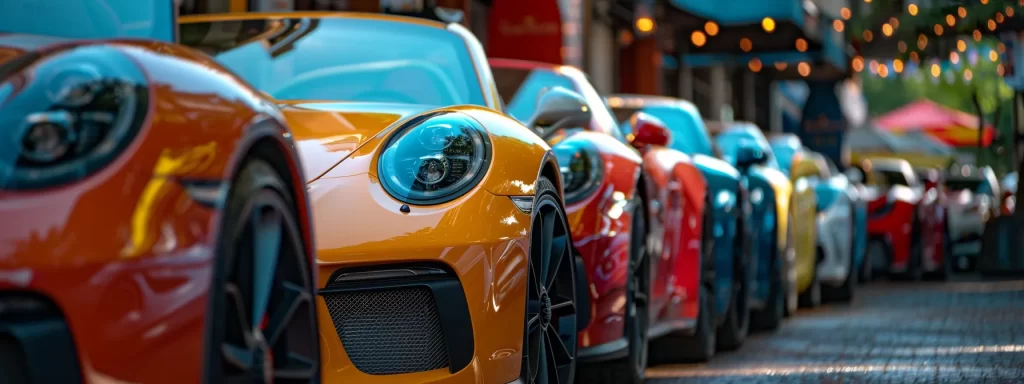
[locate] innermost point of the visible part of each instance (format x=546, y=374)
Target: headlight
x=434, y=158
x=68, y=115
x=580, y=165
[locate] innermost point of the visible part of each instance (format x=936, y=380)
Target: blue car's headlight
x=434, y=158
x=580, y=165
x=67, y=116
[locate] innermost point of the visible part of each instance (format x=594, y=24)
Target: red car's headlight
x=67, y=115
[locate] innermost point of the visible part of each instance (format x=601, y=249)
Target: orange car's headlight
x=434, y=158
x=68, y=115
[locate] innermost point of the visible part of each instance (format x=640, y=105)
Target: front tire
x=263, y=324
x=631, y=368
x=733, y=331
x=770, y=317
x=549, y=327
x=844, y=293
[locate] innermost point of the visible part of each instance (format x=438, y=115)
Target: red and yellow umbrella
x=953, y=127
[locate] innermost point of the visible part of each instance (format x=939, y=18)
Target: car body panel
x=362, y=225
x=803, y=209
x=131, y=279
x=726, y=195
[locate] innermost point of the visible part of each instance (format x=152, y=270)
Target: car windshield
x=888, y=178
x=92, y=19
x=976, y=186
x=343, y=59
x=522, y=88
x=690, y=136
x=784, y=155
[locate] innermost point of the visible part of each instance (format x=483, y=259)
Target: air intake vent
x=390, y=331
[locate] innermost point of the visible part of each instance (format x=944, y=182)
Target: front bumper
x=835, y=235
x=488, y=255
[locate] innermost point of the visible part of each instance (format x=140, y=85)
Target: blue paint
x=739, y=12
x=91, y=19
x=823, y=123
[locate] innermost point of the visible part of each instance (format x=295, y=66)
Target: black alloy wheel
x=770, y=317
x=549, y=335
x=733, y=331
x=263, y=321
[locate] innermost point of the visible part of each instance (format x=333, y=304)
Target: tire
x=549, y=327
x=698, y=347
x=770, y=317
x=261, y=271
x=844, y=293
x=733, y=331
x=812, y=296
x=631, y=368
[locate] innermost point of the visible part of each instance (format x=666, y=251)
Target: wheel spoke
x=547, y=237
x=266, y=248
x=558, y=253
x=556, y=346
x=553, y=355
x=536, y=259
x=564, y=308
x=541, y=376
x=293, y=298
x=297, y=367
x=237, y=357
x=235, y=302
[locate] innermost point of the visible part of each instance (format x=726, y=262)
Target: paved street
x=954, y=332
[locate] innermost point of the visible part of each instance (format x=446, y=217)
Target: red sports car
x=636, y=219
x=154, y=223
x=906, y=224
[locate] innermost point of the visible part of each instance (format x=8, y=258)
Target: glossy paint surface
x=908, y=204
x=724, y=194
x=805, y=212
x=601, y=223
x=126, y=253
x=357, y=223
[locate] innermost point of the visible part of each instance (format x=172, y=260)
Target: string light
x=961, y=45
x=845, y=13
x=781, y=66
x=968, y=75
x=746, y=45
x=897, y=65
x=902, y=46
x=711, y=28
x=914, y=57
x=698, y=38
x=1001, y=47
x=857, y=64
x=962, y=12
x=645, y=24
x=991, y=25
x=883, y=71
x=954, y=57
x=1000, y=70
x=894, y=22
x=912, y=9
x=801, y=44
x=993, y=56
x=922, y=41
x=1009, y=11
x=838, y=25
x=887, y=29
x=977, y=35
x=935, y=70
x=938, y=30
x=868, y=36
x=999, y=17
x=768, y=24
x=804, y=69
x=755, y=65
x=984, y=1
x=950, y=20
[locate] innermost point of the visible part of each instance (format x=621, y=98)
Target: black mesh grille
x=391, y=331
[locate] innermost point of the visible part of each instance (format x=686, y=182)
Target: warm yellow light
x=984, y=1
x=897, y=65
x=961, y=46
x=804, y=69
x=1001, y=48
x=838, y=25
x=912, y=9
x=954, y=57
x=999, y=17
x=746, y=45
x=913, y=57
x=645, y=24
x=868, y=36
x=781, y=66
x=935, y=70
x=711, y=28
x=968, y=75
x=1000, y=70
x=857, y=64
x=993, y=56
x=845, y=13
x=768, y=24
x=922, y=41
x=887, y=29
x=801, y=45
x=883, y=71
x=938, y=30
x=698, y=38
x=1009, y=11
x=977, y=35
x=873, y=66
x=962, y=12
x=902, y=46
x=894, y=22
x=991, y=25
x=755, y=65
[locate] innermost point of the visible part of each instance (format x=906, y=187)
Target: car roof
x=311, y=14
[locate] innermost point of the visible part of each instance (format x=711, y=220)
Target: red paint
x=602, y=237
x=525, y=29
x=649, y=130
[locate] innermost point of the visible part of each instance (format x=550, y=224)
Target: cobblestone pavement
x=967, y=331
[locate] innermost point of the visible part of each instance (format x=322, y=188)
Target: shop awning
x=739, y=28
x=953, y=127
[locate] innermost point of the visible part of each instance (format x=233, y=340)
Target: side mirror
x=747, y=155
x=855, y=175
x=648, y=130
x=559, y=108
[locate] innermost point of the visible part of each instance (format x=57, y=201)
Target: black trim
x=43, y=338
x=582, y=293
x=449, y=296
x=405, y=127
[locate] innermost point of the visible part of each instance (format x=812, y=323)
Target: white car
x=835, y=223
x=972, y=194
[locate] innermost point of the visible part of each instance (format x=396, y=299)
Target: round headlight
x=68, y=115
x=435, y=158
x=580, y=165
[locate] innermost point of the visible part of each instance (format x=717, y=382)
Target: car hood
x=326, y=133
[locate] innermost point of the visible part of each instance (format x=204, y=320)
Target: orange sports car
x=443, y=246
x=154, y=223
